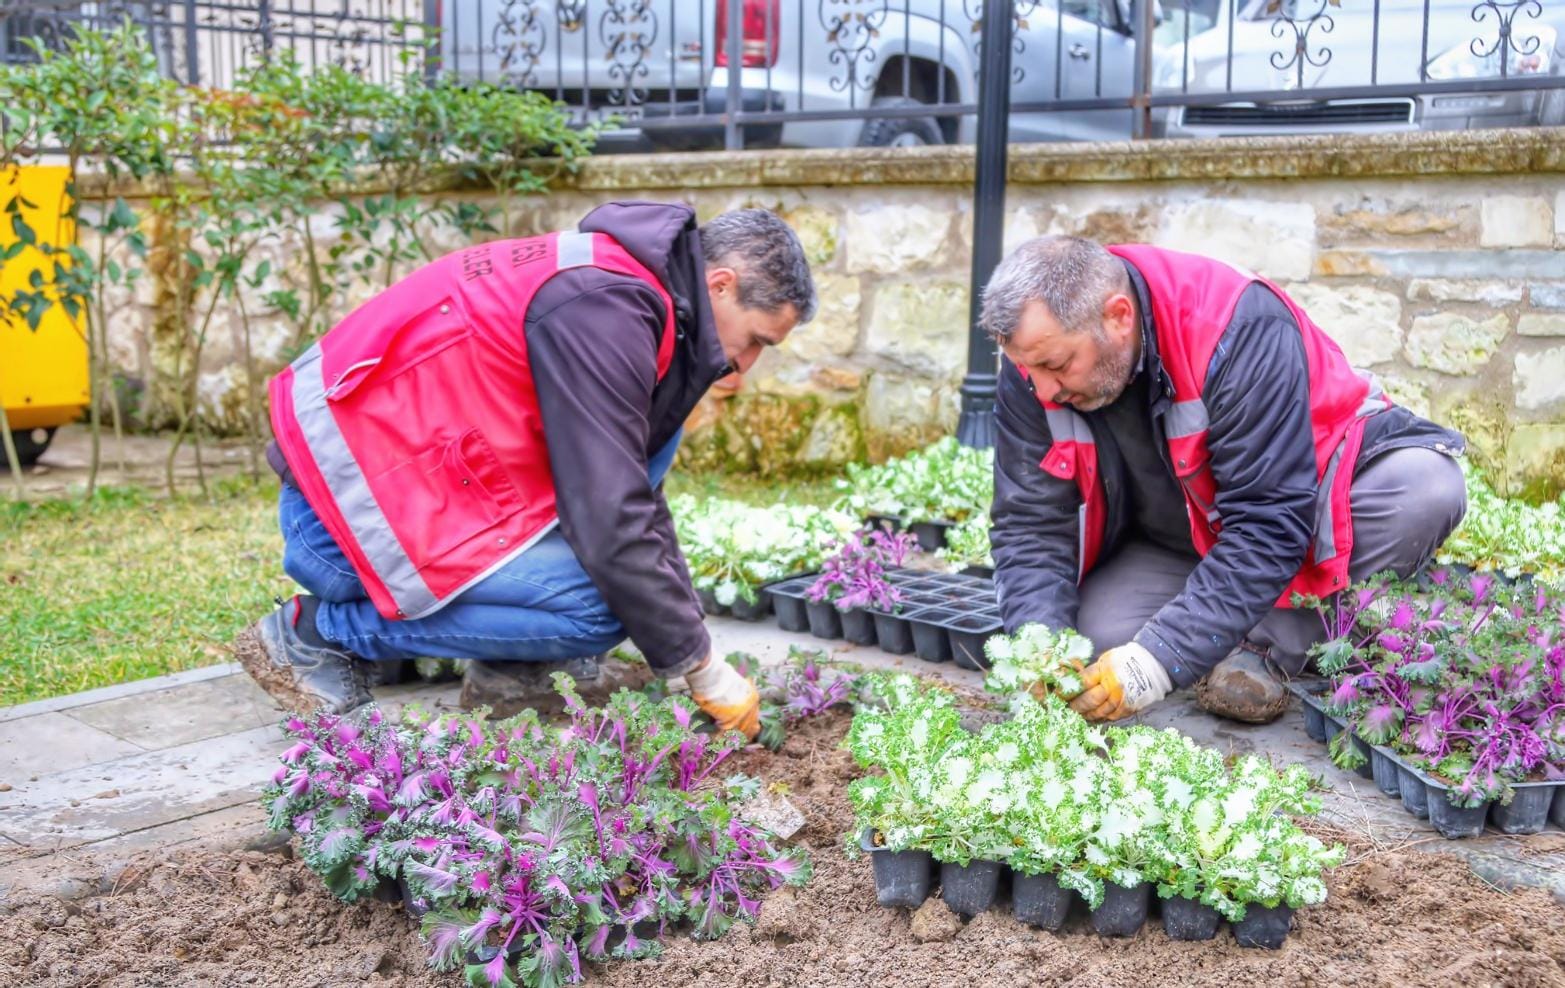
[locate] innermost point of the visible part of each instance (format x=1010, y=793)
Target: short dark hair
x=768, y=256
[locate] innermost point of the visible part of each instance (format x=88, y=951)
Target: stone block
x=55, y=742
x=1486, y=292
x=894, y=236
x=1410, y=394
x=1347, y=264
x=1546, y=295
x=1516, y=221
x=834, y=440
x=817, y=230
x=900, y=413
x=1539, y=378
x=1401, y=220
x=1485, y=422
x=1276, y=239
x=1541, y=324
x=182, y=714
x=1495, y=265
x=834, y=331
x=1454, y=343
x=919, y=326
x=1365, y=322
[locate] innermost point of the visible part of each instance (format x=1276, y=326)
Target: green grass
x=131, y=585
x=134, y=585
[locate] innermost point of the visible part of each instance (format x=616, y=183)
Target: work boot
x=1243, y=687
x=301, y=670
x=511, y=686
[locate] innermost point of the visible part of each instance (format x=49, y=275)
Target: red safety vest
x=412, y=427
x=1193, y=299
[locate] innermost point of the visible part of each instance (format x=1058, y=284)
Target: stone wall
x=1434, y=260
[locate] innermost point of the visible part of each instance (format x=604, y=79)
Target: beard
x=1109, y=379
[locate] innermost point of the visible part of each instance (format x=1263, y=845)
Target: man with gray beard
x=1181, y=453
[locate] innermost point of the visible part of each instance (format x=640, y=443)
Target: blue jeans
x=540, y=606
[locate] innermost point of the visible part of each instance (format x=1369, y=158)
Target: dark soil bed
x=203, y=917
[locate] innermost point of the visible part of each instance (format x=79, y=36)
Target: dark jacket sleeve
x=1034, y=537
x=1263, y=459
x=592, y=341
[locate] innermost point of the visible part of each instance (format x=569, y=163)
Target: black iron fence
x=207, y=43
x=713, y=73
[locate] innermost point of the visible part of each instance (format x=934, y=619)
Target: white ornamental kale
x=1048, y=793
x=945, y=481
x=968, y=543
x=733, y=548
x=1511, y=536
x=1037, y=660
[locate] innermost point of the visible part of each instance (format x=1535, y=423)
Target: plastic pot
x=1263, y=926
x=931, y=534
x=1124, y=910
x=1038, y=900
x=1385, y=773
x=1527, y=813
x=751, y=612
x=1189, y=919
x=901, y=877
x=983, y=572
x=928, y=636
x=1365, y=769
x=790, y=611
x=1415, y=795
x=1314, y=722
x=890, y=524
x=858, y=626
x=385, y=672
x=1557, y=813
x=709, y=602
x=1454, y=822
x=387, y=890
x=969, y=889
x=893, y=633
x=968, y=634
x=825, y=619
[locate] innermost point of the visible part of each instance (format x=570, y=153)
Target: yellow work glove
x=1123, y=681
x=727, y=697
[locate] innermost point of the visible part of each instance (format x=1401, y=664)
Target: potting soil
x=1396, y=918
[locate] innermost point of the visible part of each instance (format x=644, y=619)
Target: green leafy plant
x=945, y=481
x=733, y=548
x=1037, y=660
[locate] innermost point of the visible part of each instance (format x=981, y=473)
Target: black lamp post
x=976, y=426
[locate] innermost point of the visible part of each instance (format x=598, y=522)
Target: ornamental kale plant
x=796, y=690
x=1037, y=660
x=1048, y=793
x=533, y=845
x=854, y=575
x=1465, y=679
x=1507, y=535
x=945, y=481
x=733, y=548
x=968, y=543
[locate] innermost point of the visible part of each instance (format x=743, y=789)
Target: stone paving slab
x=112, y=797
x=185, y=713
x=52, y=742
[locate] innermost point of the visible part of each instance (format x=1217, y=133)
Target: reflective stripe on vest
x=351, y=490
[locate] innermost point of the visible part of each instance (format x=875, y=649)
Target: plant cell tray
x=1533, y=805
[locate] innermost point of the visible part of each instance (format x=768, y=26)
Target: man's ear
x=1120, y=312
x=721, y=281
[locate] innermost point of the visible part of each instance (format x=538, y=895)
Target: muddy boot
x=507, y=688
x=1244, y=688
x=301, y=670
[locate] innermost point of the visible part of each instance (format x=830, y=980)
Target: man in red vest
x=1181, y=450
x=472, y=460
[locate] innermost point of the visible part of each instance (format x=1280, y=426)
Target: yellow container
x=43, y=372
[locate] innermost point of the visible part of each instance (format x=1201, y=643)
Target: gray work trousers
x=1405, y=502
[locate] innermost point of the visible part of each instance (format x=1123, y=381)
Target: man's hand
x=1123, y=681
x=725, y=696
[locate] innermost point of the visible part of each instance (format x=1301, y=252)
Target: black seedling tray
x=739, y=608
x=941, y=616
x=903, y=879
x=1533, y=805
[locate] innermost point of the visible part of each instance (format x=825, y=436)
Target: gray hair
x=1073, y=277
x=768, y=256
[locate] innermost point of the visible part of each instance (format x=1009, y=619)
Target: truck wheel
x=899, y=132
x=30, y=444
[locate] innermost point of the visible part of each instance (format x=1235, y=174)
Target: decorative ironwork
x=571, y=14
x=1505, y=43
x=974, y=12
x=627, y=30
x=850, y=26
x=520, y=23
x=1301, y=56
